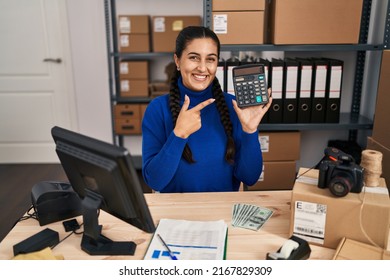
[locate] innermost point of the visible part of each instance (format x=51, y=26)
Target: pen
x=173, y=257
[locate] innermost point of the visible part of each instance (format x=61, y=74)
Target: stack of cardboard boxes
x=326, y=220
x=133, y=33
x=280, y=151
x=134, y=78
x=287, y=21
x=128, y=118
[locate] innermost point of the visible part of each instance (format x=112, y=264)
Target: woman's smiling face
x=198, y=63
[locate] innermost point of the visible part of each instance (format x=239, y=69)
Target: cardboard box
x=134, y=88
x=127, y=126
x=322, y=219
x=372, y=144
x=271, y=178
x=127, y=111
x=238, y=5
x=159, y=88
x=280, y=146
x=134, y=43
x=315, y=21
x=349, y=249
x=166, y=28
x=239, y=27
x=133, y=70
x=381, y=131
x=142, y=109
x=127, y=119
x=133, y=24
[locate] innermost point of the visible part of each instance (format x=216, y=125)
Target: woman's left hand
x=250, y=117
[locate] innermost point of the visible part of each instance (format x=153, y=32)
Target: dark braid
x=174, y=104
x=225, y=119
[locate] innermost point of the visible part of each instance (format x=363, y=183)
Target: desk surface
x=243, y=244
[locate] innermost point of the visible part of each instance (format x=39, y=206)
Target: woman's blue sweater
x=164, y=168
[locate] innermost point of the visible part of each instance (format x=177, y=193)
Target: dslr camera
x=339, y=172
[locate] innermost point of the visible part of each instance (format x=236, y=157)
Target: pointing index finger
x=202, y=105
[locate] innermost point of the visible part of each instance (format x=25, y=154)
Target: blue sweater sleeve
x=249, y=159
x=161, y=148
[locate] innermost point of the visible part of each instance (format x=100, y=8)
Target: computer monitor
x=105, y=178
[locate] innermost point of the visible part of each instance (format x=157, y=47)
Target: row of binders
x=304, y=90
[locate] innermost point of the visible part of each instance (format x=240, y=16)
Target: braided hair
x=183, y=39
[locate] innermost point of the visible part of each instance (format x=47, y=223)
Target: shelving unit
x=352, y=121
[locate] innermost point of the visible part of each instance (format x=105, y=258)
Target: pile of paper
x=188, y=240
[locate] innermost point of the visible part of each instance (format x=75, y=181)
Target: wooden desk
x=242, y=243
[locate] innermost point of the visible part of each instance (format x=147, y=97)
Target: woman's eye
x=194, y=58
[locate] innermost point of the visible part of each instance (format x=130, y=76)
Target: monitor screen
x=105, y=178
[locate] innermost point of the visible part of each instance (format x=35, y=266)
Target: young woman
x=196, y=138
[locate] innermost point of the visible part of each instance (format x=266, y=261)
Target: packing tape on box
x=372, y=164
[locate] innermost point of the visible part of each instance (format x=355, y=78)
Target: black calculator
x=250, y=85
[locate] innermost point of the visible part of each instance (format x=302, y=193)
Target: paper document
x=189, y=240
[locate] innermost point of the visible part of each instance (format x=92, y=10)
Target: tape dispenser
x=294, y=248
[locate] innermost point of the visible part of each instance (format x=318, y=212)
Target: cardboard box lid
x=349, y=249
x=238, y=5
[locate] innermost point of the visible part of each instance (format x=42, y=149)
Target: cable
x=299, y=175
x=63, y=239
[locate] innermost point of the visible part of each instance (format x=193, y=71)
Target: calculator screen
x=248, y=71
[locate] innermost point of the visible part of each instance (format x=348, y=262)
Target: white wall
x=90, y=70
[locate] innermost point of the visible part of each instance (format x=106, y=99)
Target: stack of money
x=250, y=216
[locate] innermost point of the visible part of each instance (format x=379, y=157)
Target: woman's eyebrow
x=195, y=53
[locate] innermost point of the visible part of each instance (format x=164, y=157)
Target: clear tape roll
x=372, y=164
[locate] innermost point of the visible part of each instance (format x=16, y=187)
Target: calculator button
x=258, y=99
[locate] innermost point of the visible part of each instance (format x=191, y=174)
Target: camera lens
x=340, y=186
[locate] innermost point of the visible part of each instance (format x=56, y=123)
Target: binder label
x=335, y=82
x=320, y=82
x=291, y=83
x=306, y=75
x=277, y=82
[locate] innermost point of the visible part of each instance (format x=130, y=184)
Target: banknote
x=250, y=216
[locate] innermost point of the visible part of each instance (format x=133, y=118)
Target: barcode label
x=321, y=208
x=310, y=220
